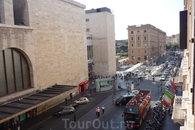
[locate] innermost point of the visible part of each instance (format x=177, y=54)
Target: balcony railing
x=178, y=113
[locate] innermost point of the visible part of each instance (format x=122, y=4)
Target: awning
x=91, y=64
x=133, y=68
x=84, y=83
x=29, y=102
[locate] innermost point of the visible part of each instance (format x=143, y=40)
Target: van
x=124, y=99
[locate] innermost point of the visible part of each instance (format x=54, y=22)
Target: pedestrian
x=74, y=117
x=18, y=125
x=103, y=108
x=96, y=111
x=113, y=100
x=70, y=95
x=66, y=100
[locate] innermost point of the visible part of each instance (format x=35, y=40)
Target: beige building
x=42, y=46
x=101, y=39
x=183, y=112
x=173, y=39
x=145, y=42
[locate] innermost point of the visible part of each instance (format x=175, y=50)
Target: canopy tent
x=132, y=69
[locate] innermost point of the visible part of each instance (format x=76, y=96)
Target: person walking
x=66, y=101
x=113, y=100
x=74, y=118
x=103, y=108
x=96, y=111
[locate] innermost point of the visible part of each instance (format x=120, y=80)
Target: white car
x=82, y=100
x=162, y=78
x=156, y=73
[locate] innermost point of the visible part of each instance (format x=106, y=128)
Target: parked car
x=65, y=110
x=154, y=63
x=162, y=78
x=156, y=73
x=82, y=100
x=142, y=74
x=124, y=99
x=136, y=72
x=75, y=105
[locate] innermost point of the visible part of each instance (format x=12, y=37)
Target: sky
x=163, y=14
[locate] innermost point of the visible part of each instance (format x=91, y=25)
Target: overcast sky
x=163, y=14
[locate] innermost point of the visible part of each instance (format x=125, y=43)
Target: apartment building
x=173, y=39
x=100, y=33
x=43, y=56
x=183, y=107
x=145, y=43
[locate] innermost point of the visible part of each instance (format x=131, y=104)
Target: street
x=112, y=118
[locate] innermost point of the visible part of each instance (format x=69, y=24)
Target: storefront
x=83, y=86
x=104, y=84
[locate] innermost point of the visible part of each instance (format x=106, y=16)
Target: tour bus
x=137, y=108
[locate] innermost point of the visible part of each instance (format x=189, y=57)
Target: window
x=131, y=44
x=138, y=44
x=139, y=58
x=90, y=38
x=131, y=32
x=20, y=12
x=145, y=45
x=14, y=70
x=144, y=37
x=138, y=31
x=145, y=57
x=145, y=51
x=132, y=57
x=145, y=31
x=131, y=38
x=132, y=51
x=87, y=20
x=138, y=51
x=137, y=38
x=88, y=29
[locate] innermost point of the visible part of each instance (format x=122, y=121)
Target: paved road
x=86, y=118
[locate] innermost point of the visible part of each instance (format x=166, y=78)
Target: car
x=124, y=99
x=82, y=100
x=162, y=78
x=156, y=73
x=136, y=72
x=75, y=105
x=154, y=63
x=166, y=72
x=65, y=110
x=147, y=70
x=140, y=75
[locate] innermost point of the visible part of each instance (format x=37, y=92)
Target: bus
x=137, y=108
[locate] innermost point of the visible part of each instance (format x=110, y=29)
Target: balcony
x=89, y=40
x=178, y=113
x=90, y=61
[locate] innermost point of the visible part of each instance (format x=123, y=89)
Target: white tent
x=132, y=69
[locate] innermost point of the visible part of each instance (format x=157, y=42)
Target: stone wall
x=54, y=44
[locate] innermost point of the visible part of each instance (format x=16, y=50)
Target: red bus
x=137, y=108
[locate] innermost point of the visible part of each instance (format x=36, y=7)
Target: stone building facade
x=100, y=26
x=43, y=43
x=145, y=42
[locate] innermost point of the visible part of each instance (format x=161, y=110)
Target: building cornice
x=75, y=3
